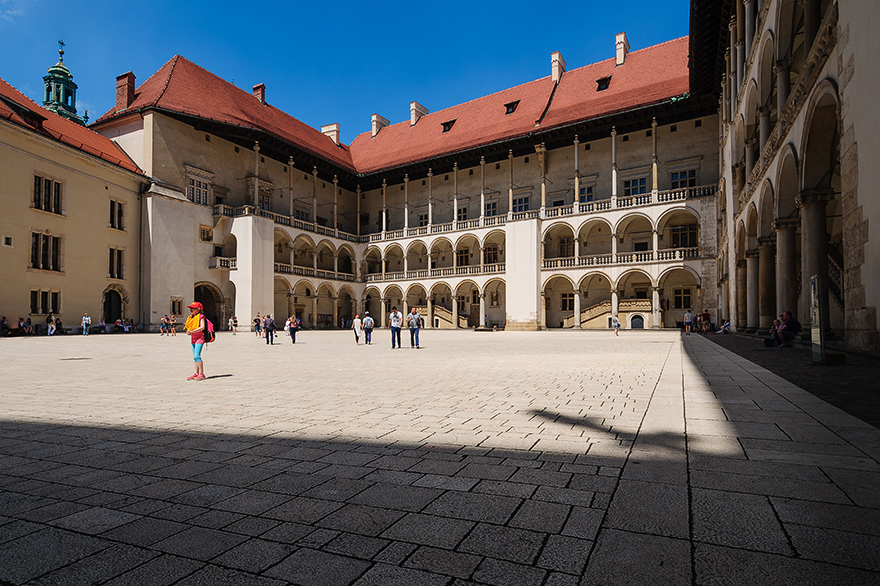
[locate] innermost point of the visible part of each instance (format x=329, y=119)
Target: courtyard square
x=498, y=458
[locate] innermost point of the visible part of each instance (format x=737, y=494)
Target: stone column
x=613, y=166
x=335, y=263
x=482, y=310
x=404, y=304
x=406, y=201
x=783, y=84
x=752, y=291
x=357, y=222
x=405, y=264
x=335, y=301
x=482, y=190
x=767, y=282
x=655, y=308
x=655, y=162
x=384, y=207
x=510, y=186
x=750, y=24
x=786, y=265
x=750, y=159
x=577, y=178
x=542, y=312
x=740, y=44
x=542, y=161
x=814, y=249
x=257, y=174
x=741, y=294
x=455, y=196
x=315, y=195
x=335, y=206
x=763, y=126
x=482, y=259
x=614, y=247
x=734, y=75
x=577, y=308
x=655, y=243
x=430, y=320
x=315, y=310
x=454, y=310
x=382, y=323
x=384, y=265
x=290, y=186
x=615, y=302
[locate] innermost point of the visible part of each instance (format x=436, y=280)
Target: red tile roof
x=182, y=86
x=21, y=110
x=648, y=76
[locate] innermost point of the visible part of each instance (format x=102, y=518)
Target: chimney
x=416, y=111
x=331, y=130
x=124, y=91
x=379, y=123
x=557, y=64
x=260, y=92
x=622, y=44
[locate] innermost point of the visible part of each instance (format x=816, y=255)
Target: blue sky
x=325, y=62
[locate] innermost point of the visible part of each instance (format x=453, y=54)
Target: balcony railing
x=623, y=202
x=288, y=269
x=222, y=262
x=669, y=254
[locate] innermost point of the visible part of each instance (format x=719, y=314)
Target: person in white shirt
x=395, y=322
x=414, y=321
x=368, y=324
x=356, y=328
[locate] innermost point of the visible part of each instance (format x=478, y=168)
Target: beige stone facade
x=798, y=126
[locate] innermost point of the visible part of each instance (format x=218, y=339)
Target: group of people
x=784, y=329
x=700, y=322
x=168, y=325
x=25, y=327
x=265, y=327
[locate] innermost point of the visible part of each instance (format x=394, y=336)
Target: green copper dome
x=59, y=94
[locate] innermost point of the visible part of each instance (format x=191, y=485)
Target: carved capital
x=766, y=242
x=753, y=253
x=781, y=224
x=809, y=197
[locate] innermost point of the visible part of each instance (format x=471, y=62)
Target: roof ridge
x=174, y=61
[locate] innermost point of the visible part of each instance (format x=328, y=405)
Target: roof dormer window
x=602, y=83
x=447, y=126
x=511, y=107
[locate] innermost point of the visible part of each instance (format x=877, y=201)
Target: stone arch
x=595, y=236
x=557, y=225
x=495, y=301
x=821, y=138
x=441, y=253
x=325, y=253
x=679, y=292
x=766, y=208
x=393, y=255
x=467, y=250
x=114, y=303
x=304, y=251
x=494, y=246
x=766, y=78
x=558, y=241
x=557, y=293
x=346, y=260
x=282, y=246
x=282, y=300
x=230, y=246
x=372, y=261
x=787, y=182
x=209, y=295
x=630, y=273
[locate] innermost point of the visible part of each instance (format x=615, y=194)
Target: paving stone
x=144, y=531
x=98, y=568
x=507, y=543
x=214, y=576
x=540, y=516
x=215, y=519
x=583, y=522
x=95, y=520
x=631, y=558
x=503, y=573
x=199, y=543
x=160, y=571
x=859, y=485
x=302, y=510
x=565, y=554
x=357, y=546
x=393, y=496
x=318, y=568
x=361, y=519
x=442, y=561
x=34, y=554
x=429, y=530
x=254, y=555
x=771, y=486
x=387, y=575
x=252, y=502
x=395, y=553
x=737, y=520
x=474, y=507
x=495, y=487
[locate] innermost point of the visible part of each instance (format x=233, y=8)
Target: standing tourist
x=615, y=323
x=368, y=328
x=86, y=322
x=50, y=324
x=172, y=326
x=269, y=329
x=395, y=322
x=231, y=325
x=258, y=324
x=234, y=325
x=195, y=327
x=414, y=321
x=356, y=328
x=688, y=322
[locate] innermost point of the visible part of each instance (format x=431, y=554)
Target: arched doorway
x=112, y=306
x=212, y=302
x=637, y=323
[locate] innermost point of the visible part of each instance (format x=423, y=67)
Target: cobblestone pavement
x=509, y=458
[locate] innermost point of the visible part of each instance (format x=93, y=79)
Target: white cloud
x=9, y=10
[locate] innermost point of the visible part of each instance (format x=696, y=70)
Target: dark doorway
x=112, y=306
x=637, y=323
x=208, y=299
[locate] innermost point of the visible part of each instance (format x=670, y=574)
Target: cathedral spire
x=59, y=95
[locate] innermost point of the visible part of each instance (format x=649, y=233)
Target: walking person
x=414, y=321
x=368, y=328
x=86, y=322
x=195, y=326
x=173, y=325
x=356, y=328
x=615, y=323
x=230, y=324
x=395, y=322
x=234, y=325
x=269, y=329
x=688, y=322
x=294, y=326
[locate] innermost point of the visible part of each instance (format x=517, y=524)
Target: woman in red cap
x=195, y=327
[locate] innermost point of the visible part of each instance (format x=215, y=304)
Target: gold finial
x=61, y=50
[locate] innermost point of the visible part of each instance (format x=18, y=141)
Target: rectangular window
x=206, y=234
x=47, y=195
x=265, y=201
x=586, y=194
x=567, y=302
x=558, y=203
x=463, y=257
x=520, y=204
x=198, y=191
x=491, y=254
x=462, y=214
x=566, y=246
x=35, y=302
x=176, y=306
x=681, y=298
x=635, y=186
x=116, y=215
x=684, y=236
x=682, y=179
x=44, y=302
x=304, y=216
x=56, y=302
x=45, y=252
x=491, y=209
x=116, y=264
x=461, y=304
x=423, y=220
